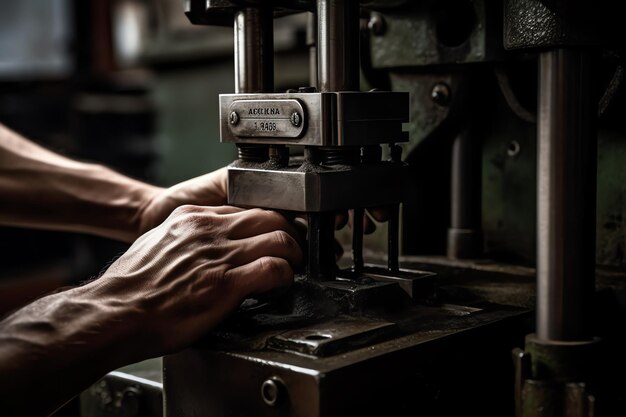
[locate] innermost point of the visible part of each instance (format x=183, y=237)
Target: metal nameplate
x=266, y=118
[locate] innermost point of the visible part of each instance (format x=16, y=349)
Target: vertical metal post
x=311, y=41
x=338, y=45
x=393, y=231
x=464, y=236
x=357, y=239
x=254, y=50
x=566, y=197
x=321, y=256
x=393, y=237
x=254, y=64
x=337, y=70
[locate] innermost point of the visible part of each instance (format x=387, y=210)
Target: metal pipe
x=566, y=197
x=338, y=45
x=254, y=50
x=464, y=236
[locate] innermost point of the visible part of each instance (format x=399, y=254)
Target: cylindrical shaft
x=566, y=197
x=464, y=237
x=338, y=45
x=311, y=41
x=393, y=239
x=254, y=50
x=357, y=239
x=321, y=258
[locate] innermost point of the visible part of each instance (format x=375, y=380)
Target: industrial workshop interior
x=480, y=142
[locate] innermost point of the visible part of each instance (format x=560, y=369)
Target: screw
x=234, y=118
x=514, y=148
x=296, y=119
x=377, y=24
x=441, y=94
x=272, y=391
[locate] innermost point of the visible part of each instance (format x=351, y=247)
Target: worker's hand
x=206, y=190
x=184, y=276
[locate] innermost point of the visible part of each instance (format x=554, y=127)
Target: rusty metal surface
x=541, y=23
x=400, y=375
x=438, y=32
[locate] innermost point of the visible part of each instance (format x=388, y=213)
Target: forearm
x=58, y=346
x=39, y=188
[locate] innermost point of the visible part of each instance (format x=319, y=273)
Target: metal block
x=399, y=375
x=221, y=12
x=419, y=285
x=328, y=119
x=135, y=390
x=437, y=32
x=325, y=190
x=339, y=335
x=566, y=23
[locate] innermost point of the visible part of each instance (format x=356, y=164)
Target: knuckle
x=276, y=218
x=184, y=209
x=282, y=238
x=272, y=266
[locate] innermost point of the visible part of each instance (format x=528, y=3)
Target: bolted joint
x=234, y=118
x=273, y=391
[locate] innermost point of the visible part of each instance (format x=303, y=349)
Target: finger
x=261, y=276
x=227, y=209
x=257, y=222
x=277, y=244
x=380, y=214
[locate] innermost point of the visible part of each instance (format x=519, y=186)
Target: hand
x=186, y=275
x=207, y=190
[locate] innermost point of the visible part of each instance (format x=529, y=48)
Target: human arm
x=41, y=189
x=175, y=283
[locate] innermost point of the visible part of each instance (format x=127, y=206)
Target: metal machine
x=427, y=335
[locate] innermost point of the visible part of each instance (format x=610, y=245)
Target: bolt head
x=296, y=119
x=272, y=391
x=234, y=118
x=441, y=94
x=377, y=24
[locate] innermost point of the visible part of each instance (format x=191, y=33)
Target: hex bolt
x=377, y=24
x=272, y=391
x=296, y=119
x=440, y=94
x=234, y=118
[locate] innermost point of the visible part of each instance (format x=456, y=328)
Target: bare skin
x=187, y=269
x=192, y=262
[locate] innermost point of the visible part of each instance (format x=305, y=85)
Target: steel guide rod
x=566, y=197
x=464, y=237
x=338, y=45
x=337, y=70
x=254, y=63
x=254, y=50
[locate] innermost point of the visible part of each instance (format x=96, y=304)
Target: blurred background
x=127, y=83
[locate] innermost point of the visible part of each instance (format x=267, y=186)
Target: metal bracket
x=327, y=119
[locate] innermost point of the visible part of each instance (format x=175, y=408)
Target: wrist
x=112, y=325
